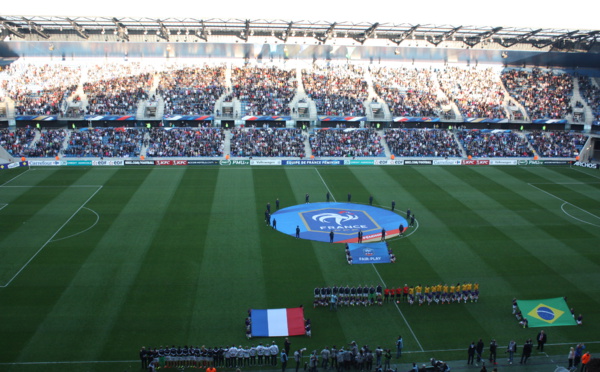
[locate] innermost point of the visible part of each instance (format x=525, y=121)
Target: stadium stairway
x=307, y=148
x=228, y=85
x=386, y=148
x=373, y=98
x=442, y=96
x=463, y=152
x=145, y=139
x=65, y=143
x=300, y=94
x=226, y=141
x=577, y=97
x=5, y=155
x=38, y=135
x=529, y=145
x=513, y=102
x=10, y=111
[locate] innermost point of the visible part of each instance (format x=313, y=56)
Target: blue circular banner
x=316, y=221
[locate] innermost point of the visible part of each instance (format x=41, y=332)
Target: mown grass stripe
x=104, y=280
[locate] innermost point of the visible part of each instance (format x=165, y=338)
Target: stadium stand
x=476, y=92
x=116, y=88
x=191, y=90
x=263, y=90
x=267, y=142
x=346, y=142
x=591, y=93
x=544, y=93
x=557, y=144
x=48, y=145
x=40, y=89
x=407, y=91
x=16, y=141
x=494, y=143
x=422, y=142
x=107, y=142
x=185, y=142
x=336, y=90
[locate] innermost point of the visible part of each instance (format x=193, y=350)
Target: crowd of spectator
x=544, y=93
x=407, y=91
x=106, y=142
x=116, y=88
x=267, y=142
x=346, y=142
x=39, y=89
x=49, y=144
x=263, y=90
x=422, y=142
x=117, y=96
x=477, y=92
x=191, y=90
x=591, y=93
x=496, y=143
x=557, y=143
x=15, y=142
x=338, y=90
x=185, y=142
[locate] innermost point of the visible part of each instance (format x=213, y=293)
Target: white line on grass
x=15, y=177
x=400, y=311
x=52, y=237
x=2, y=206
x=324, y=183
x=566, y=202
x=81, y=232
x=582, y=171
x=562, y=207
x=380, y=278
x=50, y=186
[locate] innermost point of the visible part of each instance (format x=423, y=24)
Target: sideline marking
x=15, y=177
x=81, y=232
x=566, y=202
x=52, y=237
x=377, y=272
x=582, y=171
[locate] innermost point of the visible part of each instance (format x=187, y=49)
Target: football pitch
x=96, y=262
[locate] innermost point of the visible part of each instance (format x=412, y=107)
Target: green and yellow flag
x=546, y=313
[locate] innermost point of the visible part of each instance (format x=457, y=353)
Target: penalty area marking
x=2, y=206
x=379, y=275
x=565, y=203
x=81, y=232
x=52, y=237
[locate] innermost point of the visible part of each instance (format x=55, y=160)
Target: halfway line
x=380, y=278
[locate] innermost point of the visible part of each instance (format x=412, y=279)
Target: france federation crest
x=340, y=221
x=317, y=221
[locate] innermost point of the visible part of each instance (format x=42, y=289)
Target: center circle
x=316, y=221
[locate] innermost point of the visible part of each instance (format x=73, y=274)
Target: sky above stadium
x=506, y=13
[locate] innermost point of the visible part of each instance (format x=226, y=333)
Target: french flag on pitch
x=277, y=322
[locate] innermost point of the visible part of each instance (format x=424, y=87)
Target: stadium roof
x=39, y=28
x=507, y=13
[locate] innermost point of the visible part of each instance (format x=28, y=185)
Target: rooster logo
x=339, y=218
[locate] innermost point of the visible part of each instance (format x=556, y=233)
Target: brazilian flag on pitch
x=546, y=313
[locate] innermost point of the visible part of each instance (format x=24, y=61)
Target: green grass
x=100, y=261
